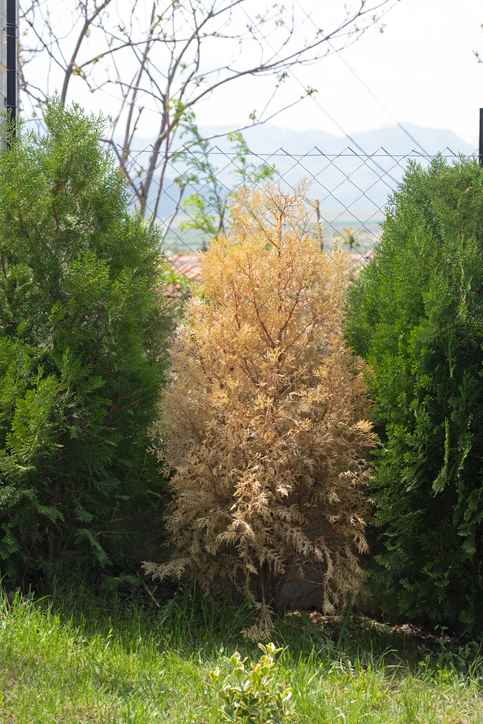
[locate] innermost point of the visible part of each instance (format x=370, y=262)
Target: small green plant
x=347, y=238
x=253, y=693
x=206, y=207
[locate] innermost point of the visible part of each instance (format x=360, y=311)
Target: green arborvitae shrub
x=416, y=315
x=82, y=333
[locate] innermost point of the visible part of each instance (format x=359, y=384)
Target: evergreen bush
x=416, y=316
x=264, y=419
x=82, y=334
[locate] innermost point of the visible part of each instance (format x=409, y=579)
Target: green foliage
x=252, y=693
x=416, y=315
x=207, y=209
x=82, y=334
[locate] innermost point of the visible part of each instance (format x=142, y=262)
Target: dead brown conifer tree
x=264, y=421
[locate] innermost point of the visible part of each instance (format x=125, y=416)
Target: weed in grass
x=253, y=693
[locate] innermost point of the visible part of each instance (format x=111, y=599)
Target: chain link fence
x=349, y=191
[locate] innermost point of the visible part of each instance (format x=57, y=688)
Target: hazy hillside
x=353, y=179
x=267, y=139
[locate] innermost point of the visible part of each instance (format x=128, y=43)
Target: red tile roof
x=189, y=265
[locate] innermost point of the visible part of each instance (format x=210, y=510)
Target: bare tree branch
x=159, y=61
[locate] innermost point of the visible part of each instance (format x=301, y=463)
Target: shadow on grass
x=193, y=625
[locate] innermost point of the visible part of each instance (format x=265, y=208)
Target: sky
x=420, y=70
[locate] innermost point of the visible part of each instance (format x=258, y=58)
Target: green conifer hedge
x=416, y=316
x=82, y=334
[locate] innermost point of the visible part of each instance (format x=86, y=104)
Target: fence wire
x=350, y=190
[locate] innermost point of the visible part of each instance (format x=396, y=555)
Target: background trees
x=152, y=64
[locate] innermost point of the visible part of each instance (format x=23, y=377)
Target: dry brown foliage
x=264, y=420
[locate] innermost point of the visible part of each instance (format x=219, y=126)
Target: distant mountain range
x=352, y=178
x=267, y=139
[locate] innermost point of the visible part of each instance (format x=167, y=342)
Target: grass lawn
x=83, y=660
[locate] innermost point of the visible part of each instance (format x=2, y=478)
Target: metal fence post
x=12, y=75
x=3, y=70
x=8, y=69
x=480, y=152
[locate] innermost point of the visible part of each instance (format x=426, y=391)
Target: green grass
x=83, y=660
